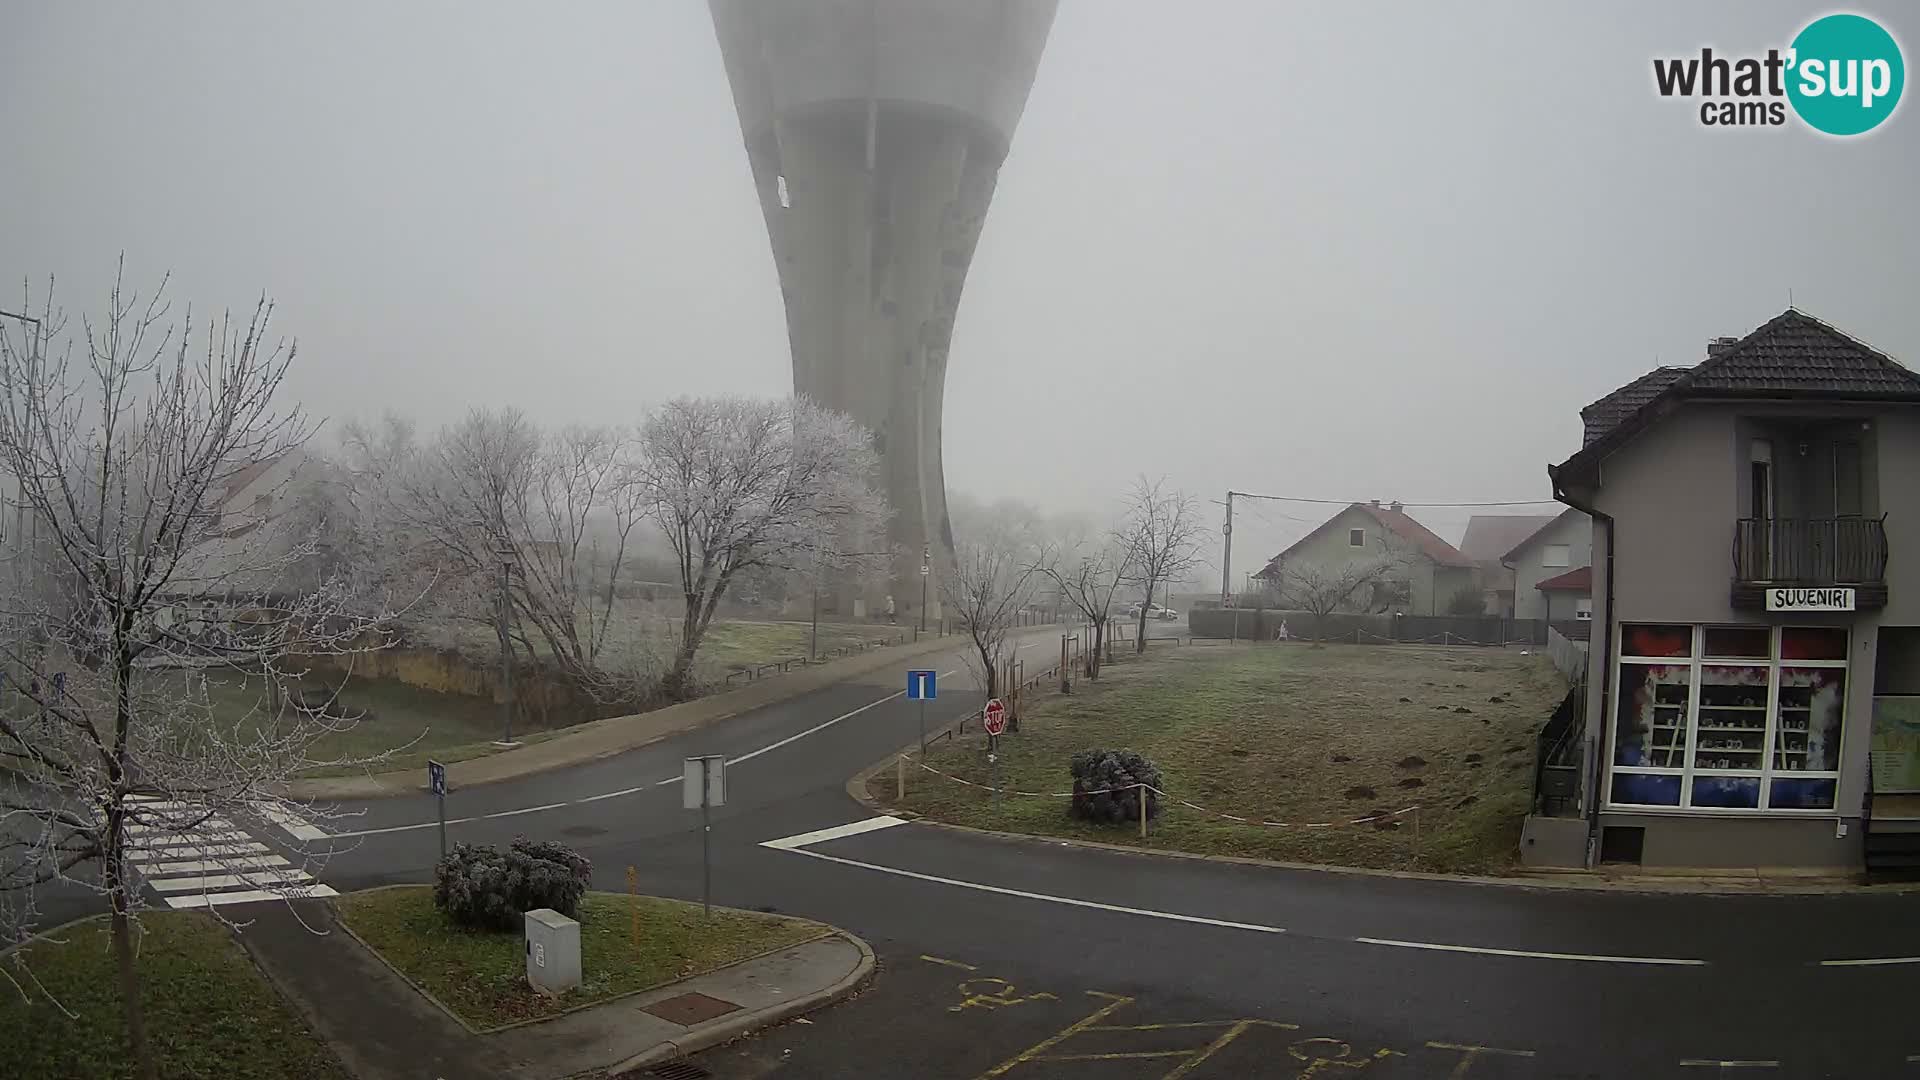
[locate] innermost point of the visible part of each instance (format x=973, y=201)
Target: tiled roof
x=1418, y=535
x=1580, y=581
x=1528, y=539
x=1792, y=355
x=1398, y=522
x=1489, y=536
x=1606, y=414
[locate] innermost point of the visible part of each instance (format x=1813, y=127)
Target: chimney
x=1721, y=346
x=1396, y=506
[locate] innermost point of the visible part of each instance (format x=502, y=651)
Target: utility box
x=553, y=951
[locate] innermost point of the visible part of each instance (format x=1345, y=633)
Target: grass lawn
x=1292, y=733
x=482, y=976
x=730, y=645
x=209, y=1013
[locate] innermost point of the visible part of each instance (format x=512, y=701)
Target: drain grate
x=679, y=1070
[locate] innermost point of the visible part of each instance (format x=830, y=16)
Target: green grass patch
x=209, y=1012
x=1292, y=733
x=482, y=975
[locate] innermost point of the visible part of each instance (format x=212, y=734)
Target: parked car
x=1165, y=614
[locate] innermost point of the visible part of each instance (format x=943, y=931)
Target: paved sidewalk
x=618, y=734
x=384, y=1029
x=381, y=1027
x=624, y=1035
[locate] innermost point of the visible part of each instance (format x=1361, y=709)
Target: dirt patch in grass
x=482, y=976
x=209, y=1012
x=1316, y=727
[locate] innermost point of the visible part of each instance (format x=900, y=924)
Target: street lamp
x=926, y=564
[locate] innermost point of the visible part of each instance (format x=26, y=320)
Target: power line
x=1429, y=505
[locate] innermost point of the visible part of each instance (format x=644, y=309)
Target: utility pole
x=926, y=565
x=1226, y=556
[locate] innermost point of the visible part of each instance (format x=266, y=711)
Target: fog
x=1309, y=250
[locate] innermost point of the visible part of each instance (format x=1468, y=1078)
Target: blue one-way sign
x=920, y=686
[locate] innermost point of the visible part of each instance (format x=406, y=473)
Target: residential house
x=1546, y=567
x=1488, y=539
x=1756, y=602
x=1424, y=573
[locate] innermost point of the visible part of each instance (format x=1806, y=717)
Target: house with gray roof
x=1753, y=691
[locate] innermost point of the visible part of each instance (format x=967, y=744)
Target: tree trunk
x=1140, y=635
x=122, y=930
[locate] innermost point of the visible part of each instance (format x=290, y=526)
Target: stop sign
x=995, y=716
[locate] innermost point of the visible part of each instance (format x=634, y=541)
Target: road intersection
x=1036, y=959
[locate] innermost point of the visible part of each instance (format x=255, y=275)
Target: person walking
x=890, y=611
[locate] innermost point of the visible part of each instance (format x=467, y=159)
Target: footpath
x=384, y=1029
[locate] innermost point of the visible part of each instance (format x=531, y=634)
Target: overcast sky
x=1338, y=251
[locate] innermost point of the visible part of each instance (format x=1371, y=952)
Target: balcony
x=1803, y=553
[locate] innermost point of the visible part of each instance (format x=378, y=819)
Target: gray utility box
x=553, y=951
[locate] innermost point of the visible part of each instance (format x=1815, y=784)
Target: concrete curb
x=746, y=1023
x=1648, y=884
x=600, y=739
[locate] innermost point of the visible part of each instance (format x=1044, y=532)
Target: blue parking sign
x=920, y=686
x=436, y=778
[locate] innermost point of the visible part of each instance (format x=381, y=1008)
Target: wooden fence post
x=1141, y=790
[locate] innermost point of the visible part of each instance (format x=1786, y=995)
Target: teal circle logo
x=1845, y=74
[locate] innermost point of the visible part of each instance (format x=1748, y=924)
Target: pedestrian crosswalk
x=195, y=861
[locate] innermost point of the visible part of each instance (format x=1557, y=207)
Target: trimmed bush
x=1103, y=790
x=479, y=885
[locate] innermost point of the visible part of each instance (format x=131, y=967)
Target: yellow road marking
x=949, y=963
x=972, y=998
x=1213, y=1048
x=1114, y=1002
x=1468, y=1054
x=1120, y=1055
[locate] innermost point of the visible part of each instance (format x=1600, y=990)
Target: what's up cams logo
x=1842, y=75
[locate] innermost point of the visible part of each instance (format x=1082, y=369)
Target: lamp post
x=926, y=564
x=502, y=609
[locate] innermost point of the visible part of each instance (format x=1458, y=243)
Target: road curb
x=746, y=1023
x=1680, y=884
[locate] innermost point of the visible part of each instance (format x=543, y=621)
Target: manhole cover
x=578, y=831
x=690, y=1009
x=679, y=1070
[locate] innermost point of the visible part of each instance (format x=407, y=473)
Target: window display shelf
x=1755, y=729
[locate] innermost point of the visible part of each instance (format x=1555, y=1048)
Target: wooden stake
x=633, y=903
x=1141, y=790
x=900, y=778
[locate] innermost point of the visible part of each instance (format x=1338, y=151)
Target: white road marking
x=821, y=836
x=1665, y=961
x=147, y=843
x=179, y=827
x=1718, y=1064
x=249, y=897
x=748, y=756
x=201, y=866
x=1070, y=901
x=1875, y=961
x=180, y=852
x=297, y=827
x=211, y=882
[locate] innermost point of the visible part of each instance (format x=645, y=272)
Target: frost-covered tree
x=125, y=443
x=738, y=484
x=1162, y=532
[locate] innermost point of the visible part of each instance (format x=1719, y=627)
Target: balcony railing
x=1810, y=551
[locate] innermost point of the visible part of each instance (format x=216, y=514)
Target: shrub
x=481, y=886
x=1103, y=790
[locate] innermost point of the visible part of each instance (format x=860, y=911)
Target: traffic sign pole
x=923, y=727
x=437, y=783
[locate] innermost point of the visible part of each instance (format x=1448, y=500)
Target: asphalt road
x=1038, y=960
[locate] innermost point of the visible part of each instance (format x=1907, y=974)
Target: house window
x=1583, y=607
x=1728, y=717
x=1555, y=555
x=1356, y=538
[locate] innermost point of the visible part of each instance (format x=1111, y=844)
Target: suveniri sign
x=1810, y=599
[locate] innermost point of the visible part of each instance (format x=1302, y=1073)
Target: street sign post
x=437, y=783
x=994, y=719
x=994, y=716
x=703, y=784
x=921, y=688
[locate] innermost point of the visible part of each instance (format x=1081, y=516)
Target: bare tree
x=994, y=573
x=124, y=441
x=738, y=484
x=1323, y=588
x=1162, y=533
x=1086, y=575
